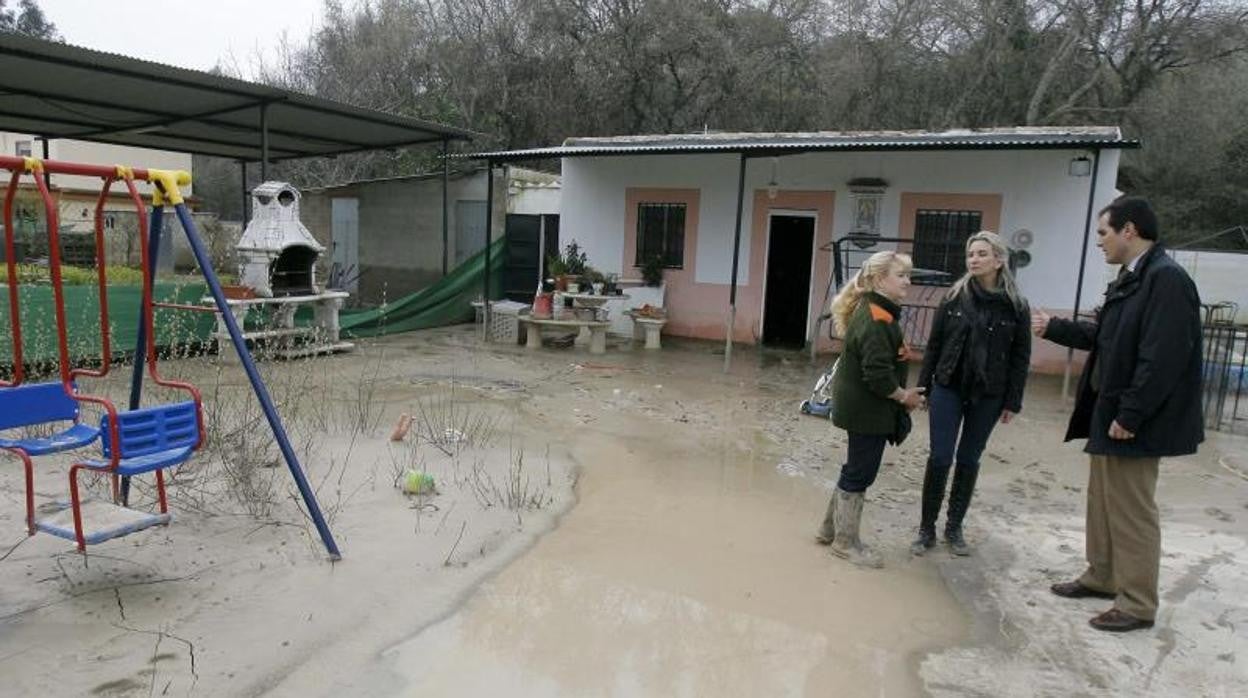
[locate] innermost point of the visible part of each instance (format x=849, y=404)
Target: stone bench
x=323, y=333
x=650, y=326
x=539, y=328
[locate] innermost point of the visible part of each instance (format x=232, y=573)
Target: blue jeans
x=862, y=461
x=949, y=413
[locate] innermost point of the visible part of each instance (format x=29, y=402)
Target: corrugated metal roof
x=61, y=91
x=1020, y=138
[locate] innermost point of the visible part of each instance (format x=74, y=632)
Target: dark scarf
x=978, y=304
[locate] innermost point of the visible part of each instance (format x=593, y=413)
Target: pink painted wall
x=697, y=309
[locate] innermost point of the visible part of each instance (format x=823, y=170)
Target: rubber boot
x=847, y=544
x=959, y=501
x=827, y=530
x=934, y=480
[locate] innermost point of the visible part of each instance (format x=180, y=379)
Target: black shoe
x=957, y=544
x=1075, y=590
x=1116, y=621
x=925, y=542
x=933, y=495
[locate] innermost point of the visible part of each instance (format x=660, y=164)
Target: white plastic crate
x=505, y=321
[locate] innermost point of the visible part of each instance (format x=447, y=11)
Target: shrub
x=73, y=276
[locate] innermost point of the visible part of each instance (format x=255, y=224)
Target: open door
x=786, y=301
x=531, y=238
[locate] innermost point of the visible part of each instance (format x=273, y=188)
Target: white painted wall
x=1037, y=193
x=534, y=200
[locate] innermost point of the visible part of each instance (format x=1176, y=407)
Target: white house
x=627, y=198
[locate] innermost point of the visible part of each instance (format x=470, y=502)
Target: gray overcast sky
x=189, y=34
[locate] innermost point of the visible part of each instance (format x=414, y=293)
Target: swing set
x=138, y=440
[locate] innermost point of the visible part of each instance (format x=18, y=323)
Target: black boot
x=959, y=501
x=933, y=495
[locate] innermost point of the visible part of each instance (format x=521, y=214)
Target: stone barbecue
x=277, y=253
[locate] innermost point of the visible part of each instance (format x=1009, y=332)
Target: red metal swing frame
x=18, y=167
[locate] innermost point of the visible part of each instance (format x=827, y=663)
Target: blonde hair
x=876, y=267
x=1005, y=278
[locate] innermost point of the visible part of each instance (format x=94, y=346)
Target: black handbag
x=902, y=425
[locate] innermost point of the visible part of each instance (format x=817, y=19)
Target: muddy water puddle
x=687, y=568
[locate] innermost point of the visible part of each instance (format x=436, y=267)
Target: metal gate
x=1225, y=385
x=928, y=286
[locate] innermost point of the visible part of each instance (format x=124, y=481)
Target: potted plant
x=568, y=267
x=557, y=270
x=652, y=270
x=575, y=260
x=597, y=280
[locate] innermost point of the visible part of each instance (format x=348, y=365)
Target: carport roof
x=61, y=91
x=766, y=144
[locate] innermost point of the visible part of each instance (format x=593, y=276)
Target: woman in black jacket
x=974, y=370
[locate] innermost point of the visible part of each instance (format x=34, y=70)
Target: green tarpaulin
x=447, y=302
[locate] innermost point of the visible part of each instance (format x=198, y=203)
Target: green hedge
x=74, y=276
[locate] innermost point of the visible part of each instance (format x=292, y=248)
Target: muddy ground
x=633, y=524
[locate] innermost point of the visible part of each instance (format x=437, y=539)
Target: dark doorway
x=786, y=306
x=522, y=256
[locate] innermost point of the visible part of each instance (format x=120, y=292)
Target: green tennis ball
x=416, y=482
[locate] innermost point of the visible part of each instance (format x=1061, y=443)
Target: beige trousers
x=1124, y=533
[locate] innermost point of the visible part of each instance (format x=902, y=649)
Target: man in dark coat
x=1139, y=400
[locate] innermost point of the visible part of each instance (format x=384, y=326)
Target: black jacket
x=1145, y=349
x=985, y=336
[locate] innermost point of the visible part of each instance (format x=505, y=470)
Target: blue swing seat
x=42, y=403
x=151, y=438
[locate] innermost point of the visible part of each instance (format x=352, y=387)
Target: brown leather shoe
x=1075, y=590
x=1116, y=621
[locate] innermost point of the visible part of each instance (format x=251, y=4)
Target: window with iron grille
x=940, y=240
x=661, y=231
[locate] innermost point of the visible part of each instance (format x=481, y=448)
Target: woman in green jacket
x=869, y=394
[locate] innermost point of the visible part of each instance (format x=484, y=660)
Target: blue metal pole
x=257, y=384
x=140, y=348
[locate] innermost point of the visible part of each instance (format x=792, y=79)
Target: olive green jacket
x=872, y=366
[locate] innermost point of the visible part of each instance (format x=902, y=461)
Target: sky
x=186, y=34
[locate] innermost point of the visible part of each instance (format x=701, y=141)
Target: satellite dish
x=1022, y=238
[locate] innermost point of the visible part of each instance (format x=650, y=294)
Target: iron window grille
x=661, y=231
x=940, y=239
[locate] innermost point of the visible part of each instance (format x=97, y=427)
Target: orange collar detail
x=880, y=314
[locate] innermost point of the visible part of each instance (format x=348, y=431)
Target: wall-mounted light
x=1080, y=166
x=773, y=187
